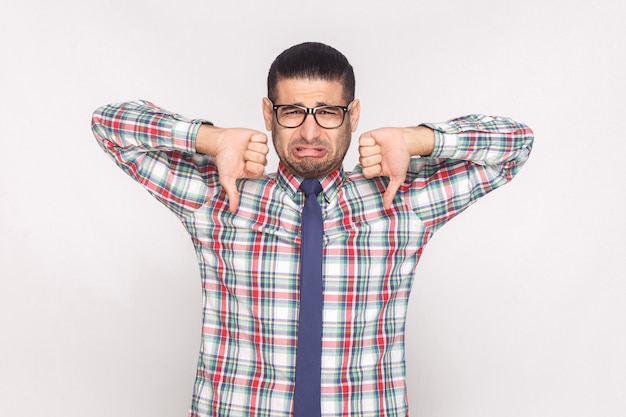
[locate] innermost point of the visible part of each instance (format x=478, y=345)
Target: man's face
x=311, y=151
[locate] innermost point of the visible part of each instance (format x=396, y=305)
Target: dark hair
x=311, y=60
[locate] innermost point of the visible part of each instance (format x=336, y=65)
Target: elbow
x=97, y=126
x=524, y=138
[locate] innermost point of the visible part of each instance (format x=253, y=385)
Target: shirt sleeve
x=473, y=155
x=157, y=149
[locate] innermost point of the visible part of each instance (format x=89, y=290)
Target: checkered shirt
x=249, y=261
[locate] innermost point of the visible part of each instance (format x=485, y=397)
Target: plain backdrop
x=519, y=304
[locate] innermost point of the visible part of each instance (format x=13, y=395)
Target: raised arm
x=239, y=153
x=181, y=162
x=388, y=151
x=462, y=160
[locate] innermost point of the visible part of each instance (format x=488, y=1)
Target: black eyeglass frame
x=313, y=111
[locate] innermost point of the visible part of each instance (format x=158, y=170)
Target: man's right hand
x=239, y=153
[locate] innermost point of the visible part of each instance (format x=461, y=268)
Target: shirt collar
x=330, y=183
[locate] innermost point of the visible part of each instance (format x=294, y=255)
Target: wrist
x=420, y=140
x=207, y=139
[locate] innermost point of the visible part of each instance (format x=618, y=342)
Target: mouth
x=309, y=151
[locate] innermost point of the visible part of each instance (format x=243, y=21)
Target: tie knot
x=310, y=186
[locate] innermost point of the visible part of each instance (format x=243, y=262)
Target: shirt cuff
x=184, y=133
x=445, y=143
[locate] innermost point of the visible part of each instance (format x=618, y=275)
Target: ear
x=268, y=113
x=354, y=113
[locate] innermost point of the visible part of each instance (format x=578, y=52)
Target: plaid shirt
x=249, y=261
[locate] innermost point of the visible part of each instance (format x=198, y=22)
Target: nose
x=310, y=130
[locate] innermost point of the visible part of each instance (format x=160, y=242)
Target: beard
x=312, y=167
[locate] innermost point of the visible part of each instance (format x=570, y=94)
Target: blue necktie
x=309, y=350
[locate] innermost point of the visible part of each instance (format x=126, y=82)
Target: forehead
x=309, y=92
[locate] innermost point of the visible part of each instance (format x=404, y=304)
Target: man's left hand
x=387, y=152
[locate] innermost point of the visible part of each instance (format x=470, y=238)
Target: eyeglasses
x=328, y=117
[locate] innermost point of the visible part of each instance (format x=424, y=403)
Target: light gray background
x=519, y=306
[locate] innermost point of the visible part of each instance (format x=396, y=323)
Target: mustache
x=317, y=143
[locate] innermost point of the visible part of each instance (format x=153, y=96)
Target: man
x=260, y=332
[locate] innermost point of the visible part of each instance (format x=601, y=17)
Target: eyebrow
x=317, y=104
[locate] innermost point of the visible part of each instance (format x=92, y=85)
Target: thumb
x=229, y=184
x=390, y=192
